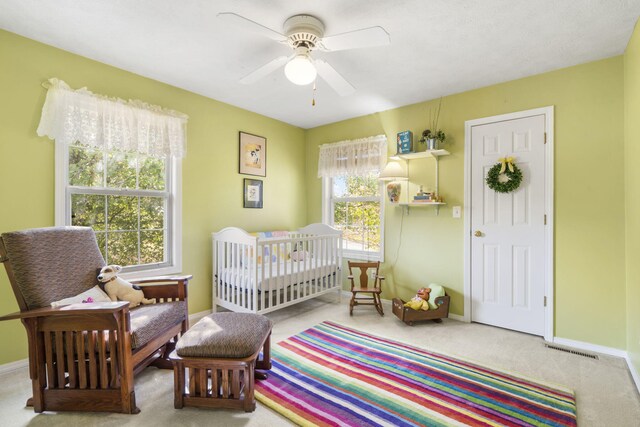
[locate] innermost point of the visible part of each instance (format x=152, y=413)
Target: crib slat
x=279, y=280
x=307, y=265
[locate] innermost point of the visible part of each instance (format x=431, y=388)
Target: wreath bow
x=506, y=162
x=507, y=167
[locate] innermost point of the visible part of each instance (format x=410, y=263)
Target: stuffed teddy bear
x=119, y=289
x=420, y=301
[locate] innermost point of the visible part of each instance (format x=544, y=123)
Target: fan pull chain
x=313, y=98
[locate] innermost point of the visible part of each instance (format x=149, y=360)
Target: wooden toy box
x=409, y=315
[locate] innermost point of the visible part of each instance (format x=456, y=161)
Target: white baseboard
x=634, y=373
x=609, y=351
x=193, y=318
x=457, y=317
x=13, y=366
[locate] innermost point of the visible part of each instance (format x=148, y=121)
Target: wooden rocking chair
x=83, y=357
x=374, y=290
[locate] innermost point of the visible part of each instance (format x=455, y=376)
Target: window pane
x=370, y=222
x=122, y=213
x=340, y=213
x=356, y=186
x=123, y=248
x=352, y=238
x=86, y=167
x=360, y=224
x=88, y=210
x=151, y=213
x=152, y=173
x=121, y=170
x=101, y=237
x=151, y=247
x=340, y=186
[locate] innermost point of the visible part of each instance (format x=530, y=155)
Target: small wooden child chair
x=375, y=290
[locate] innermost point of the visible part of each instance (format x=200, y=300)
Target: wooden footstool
x=221, y=353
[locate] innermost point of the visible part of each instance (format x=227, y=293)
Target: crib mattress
x=278, y=275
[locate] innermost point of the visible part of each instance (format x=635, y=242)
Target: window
x=129, y=199
x=354, y=204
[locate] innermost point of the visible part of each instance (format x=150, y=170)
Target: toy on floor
x=420, y=301
x=434, y=296
x=119, y=289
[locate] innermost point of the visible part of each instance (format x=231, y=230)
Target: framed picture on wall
x=252, y=193
x=253, y=154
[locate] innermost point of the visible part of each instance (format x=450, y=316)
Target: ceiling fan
x=305, y=33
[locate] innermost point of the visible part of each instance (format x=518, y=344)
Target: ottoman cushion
x=225, y=335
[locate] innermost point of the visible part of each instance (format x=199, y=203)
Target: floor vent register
x=567, y=350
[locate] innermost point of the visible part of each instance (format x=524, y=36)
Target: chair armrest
x=163, y=287
x=167, y=280
x=71, y=309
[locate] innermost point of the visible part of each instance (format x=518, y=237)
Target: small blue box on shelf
x=405, y=142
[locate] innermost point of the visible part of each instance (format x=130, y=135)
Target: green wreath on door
x=504, y=176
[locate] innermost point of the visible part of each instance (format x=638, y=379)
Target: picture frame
x=252, y=190
x=253, y=154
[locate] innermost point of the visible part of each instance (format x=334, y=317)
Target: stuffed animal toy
x=424, y=293
x=119, y=289
x=420, y=301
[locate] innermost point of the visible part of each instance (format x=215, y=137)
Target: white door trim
x=549, y=255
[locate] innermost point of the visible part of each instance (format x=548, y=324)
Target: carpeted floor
x=605, y=393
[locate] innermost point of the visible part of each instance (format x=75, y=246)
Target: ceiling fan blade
x=249, y=25
x=333, y=78
x=265, y=70
x=366, y=37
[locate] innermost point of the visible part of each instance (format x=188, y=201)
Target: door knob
x=478, y=233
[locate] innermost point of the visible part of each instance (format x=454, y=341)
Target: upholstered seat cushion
x=149, y=321
x=225, y=335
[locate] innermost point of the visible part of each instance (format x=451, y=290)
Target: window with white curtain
x=352, y=196
x=118, y=171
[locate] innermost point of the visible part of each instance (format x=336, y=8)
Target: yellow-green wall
x=632, y=193
x=592, y=142
x=589, y=193
x=212, y=187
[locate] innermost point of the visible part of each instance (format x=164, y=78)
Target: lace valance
x=354, y=157
x=115, y=124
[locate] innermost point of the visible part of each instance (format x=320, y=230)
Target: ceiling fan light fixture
x=300, y=70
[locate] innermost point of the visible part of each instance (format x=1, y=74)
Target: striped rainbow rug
x=331, y=375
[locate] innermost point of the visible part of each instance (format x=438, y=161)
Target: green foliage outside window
x=359, y=220
x=130, y=229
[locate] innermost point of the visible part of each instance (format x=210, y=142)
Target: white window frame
x=173, y=247
x=327, y=218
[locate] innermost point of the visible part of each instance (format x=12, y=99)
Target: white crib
x=259, y=275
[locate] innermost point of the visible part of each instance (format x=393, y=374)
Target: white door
x=508, y=230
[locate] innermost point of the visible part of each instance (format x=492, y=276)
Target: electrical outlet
x=456, y=211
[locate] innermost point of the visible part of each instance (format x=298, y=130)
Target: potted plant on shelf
x=433, y=137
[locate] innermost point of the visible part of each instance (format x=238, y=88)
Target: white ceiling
x=438, y=47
